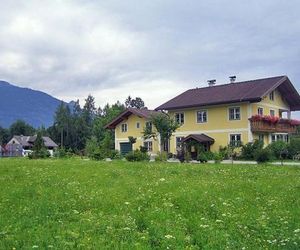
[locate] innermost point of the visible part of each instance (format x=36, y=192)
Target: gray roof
x=27, y=141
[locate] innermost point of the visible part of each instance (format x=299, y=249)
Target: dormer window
x=179, y=118
x=271, y=96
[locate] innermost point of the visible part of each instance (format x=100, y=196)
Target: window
x=124, y=127
x=280, y=137
x=271, y=96
x=149, y=126
x=148, y=145
x=201, y=116
x=272, y=112
x=179, y=142
x=260, y=111
x=137, y=125
x=273, y=138
x=234, y=113
x=179, y=118
x=261, y=137
x=235, y=140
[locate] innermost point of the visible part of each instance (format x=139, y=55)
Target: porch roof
x=199, y=138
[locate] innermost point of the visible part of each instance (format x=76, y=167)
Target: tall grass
x=67, y=204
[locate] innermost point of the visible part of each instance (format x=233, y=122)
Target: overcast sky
x=152, y=49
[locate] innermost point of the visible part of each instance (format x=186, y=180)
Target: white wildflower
x=168, y=236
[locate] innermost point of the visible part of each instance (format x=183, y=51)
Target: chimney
x=232, y=79
x=211, y=83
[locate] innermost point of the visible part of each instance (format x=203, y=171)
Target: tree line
x=74, y=127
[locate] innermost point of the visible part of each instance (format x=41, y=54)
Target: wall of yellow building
x=277, y=104
x=266, y=138
x=133, y=131
x=217, y=118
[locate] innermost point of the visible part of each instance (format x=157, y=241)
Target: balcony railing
x=273, y=124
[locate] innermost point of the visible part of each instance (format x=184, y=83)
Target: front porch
x=196, y=143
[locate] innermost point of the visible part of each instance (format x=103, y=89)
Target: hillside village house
x=218, y=115
x=21, y=145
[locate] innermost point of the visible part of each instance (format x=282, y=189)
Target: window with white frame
x=261, y=137
x=280, y=137
x=179, y=142
x=137, y=125
x=235, y=140
x=179, y=118
x=124, y=127
x=234, y=113
x=201, y=116
x=271, y=96
x=260, y=111
x=272, y=112
x=148, y=145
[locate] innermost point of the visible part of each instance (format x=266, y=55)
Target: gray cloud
x=153, y=49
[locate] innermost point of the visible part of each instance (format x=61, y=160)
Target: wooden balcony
x=280, y=127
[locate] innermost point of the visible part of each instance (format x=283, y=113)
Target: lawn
x=75, y=203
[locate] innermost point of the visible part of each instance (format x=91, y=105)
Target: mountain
x=34, y=107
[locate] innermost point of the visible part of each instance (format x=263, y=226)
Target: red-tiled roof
x=247, y=91
x=145, y=113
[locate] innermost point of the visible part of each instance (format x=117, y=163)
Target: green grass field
x=67, y=204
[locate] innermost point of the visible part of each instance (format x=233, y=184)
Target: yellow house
x=132, y=122
x=218, y=115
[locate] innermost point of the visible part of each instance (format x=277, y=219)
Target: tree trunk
x=62, y=138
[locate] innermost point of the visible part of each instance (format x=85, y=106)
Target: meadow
x=82, y=204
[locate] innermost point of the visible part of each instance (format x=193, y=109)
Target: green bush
x=91, y=147
x=224, y=152
x=278, y=149
x=137, y=155
x=209, y=155
x=41, y=154
x=250, y=149
x=218, y=157
x=294, y=147
x=143, y=149
x=60, y=153
x=97, y=155
x=161, y=156
x=115, y=154
x=202, y=157
x=263, y=155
